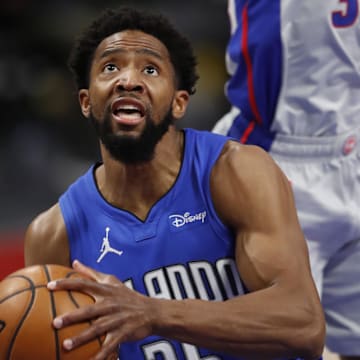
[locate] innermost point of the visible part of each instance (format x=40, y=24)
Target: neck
x=136, y=188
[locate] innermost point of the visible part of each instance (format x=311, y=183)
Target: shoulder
x=46, y=238
x=246, y=162
x=47, y=223
x=246, y=177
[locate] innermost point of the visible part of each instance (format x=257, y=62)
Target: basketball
x=27, y=309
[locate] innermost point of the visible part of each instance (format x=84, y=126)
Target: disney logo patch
x=180, y=220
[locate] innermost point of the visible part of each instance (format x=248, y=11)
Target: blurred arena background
x=45, y=143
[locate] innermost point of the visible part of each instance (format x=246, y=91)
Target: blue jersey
x=181, y=250
x=294, y=69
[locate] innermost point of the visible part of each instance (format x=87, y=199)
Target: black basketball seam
x=12, y=341
x=70, y=273
x=53, y=309
x=21, y=291
x=77, y=305
x=2, y=325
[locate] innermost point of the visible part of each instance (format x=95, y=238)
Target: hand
x=119, y=313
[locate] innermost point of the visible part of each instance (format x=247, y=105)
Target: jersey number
x=348, y=15
x=165, y=351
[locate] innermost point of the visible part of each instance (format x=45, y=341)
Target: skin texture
x=281, y=317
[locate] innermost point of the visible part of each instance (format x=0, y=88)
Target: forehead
x=132, y=41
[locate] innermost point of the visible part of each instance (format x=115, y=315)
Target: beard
x=129, y=149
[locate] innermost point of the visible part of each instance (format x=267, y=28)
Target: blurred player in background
x=177, y=217
x=295, y=91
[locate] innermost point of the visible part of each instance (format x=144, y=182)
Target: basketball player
x=191, y=241
x=295, y=90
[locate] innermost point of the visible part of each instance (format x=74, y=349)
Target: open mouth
x=128, y=111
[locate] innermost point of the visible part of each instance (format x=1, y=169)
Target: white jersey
x=295, y=91
x=296, y=71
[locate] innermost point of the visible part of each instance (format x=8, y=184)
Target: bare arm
x=280, y=317
x=46, y=239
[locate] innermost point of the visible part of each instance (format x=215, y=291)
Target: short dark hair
x=113, y=21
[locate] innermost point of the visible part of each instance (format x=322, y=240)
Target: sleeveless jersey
x=295, y=69
x=182, y=249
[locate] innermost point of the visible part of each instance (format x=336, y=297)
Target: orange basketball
x=27, y=309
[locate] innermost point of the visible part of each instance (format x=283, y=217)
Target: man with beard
x=190, y=240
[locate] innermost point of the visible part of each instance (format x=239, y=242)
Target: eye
x=110, y=68
x=151, y=70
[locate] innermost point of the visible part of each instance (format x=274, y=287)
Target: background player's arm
x=46, y=239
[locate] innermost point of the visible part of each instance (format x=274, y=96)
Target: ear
x=84, y=100
x=180, y=103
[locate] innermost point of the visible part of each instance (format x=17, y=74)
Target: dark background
x=45, y=143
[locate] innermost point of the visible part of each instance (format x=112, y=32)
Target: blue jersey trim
x=254, y=87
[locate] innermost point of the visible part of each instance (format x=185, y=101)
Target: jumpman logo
x=106, y=248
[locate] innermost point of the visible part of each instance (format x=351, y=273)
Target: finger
x=87, y=271
x=75, y=284
x=83, y=337
x=108, y=351
x=97, y=329
x=79, y=315
x=100, y=316
x=95, y=275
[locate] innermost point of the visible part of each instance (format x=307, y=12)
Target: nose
x=129, y=81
